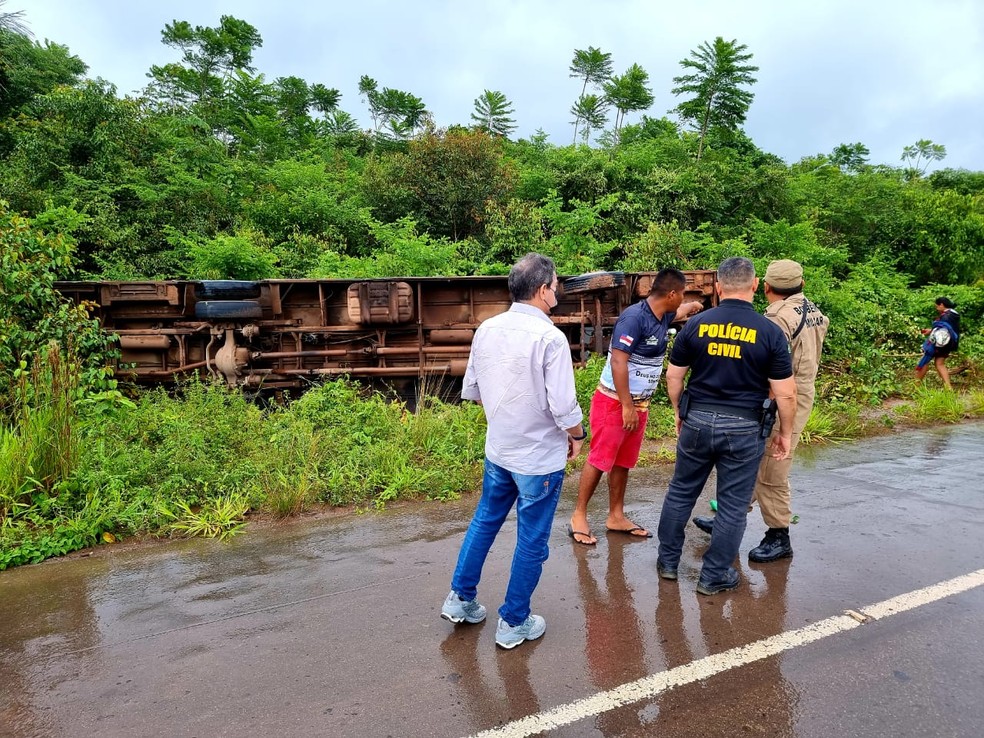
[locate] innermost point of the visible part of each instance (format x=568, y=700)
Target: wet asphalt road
x=331, y=628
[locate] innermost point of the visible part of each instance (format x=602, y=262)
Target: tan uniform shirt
x=806, y=347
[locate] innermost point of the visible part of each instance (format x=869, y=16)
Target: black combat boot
x=774, y=546
x=705, y=523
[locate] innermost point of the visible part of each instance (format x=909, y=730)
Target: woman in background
x=942, y=340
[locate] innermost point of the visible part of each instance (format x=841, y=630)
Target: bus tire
x=226, y=289
x=228, y=310
x=593, y=281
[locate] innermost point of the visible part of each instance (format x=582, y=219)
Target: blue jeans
x=734, y=446
x=538, y=496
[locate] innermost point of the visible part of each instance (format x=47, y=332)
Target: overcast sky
x=883, y=72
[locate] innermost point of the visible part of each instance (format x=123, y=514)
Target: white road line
x=654, y=684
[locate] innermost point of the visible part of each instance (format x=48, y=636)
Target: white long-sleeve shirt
x=520, y=369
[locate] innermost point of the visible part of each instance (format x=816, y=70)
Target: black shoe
x=731, y=580
x=665, y=572
x=704, y=522
x=774, y=546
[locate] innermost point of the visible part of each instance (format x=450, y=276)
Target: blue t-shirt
x=951, y=319
x=643, y=336
x=732, y=352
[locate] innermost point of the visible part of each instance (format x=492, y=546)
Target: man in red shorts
x=620, y=405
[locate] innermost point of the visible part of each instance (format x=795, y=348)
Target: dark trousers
x=734, y=447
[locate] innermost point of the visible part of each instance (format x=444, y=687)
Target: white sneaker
x=510, y=636
x=457, y=610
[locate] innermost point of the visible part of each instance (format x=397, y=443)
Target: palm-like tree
x=325, y=99
x=594, y=67
x=628, y=92
x=407, y=108
x=921, y=153
x=338, y=122
x=12, y=21
x=492, y=111
x=592, y=110
x=715, y=82
x=850, y=157
x=394, y=112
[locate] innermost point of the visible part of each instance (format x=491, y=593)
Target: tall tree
x=445, y=181
x=921, y=153
x=28, y=69
x=492, y=111
x=399, y=113
x=717, y=74
x=369, y=90
x=628, y=93
x=592, y=110
x=296, y=99
x=850, y=157
x=339, y=122
x=209, y=57
x=293, y=98
x=325, y=99
x=594, y=67
x=250, y=115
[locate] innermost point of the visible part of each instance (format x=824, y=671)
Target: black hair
x=945, y=302
x=786, y=291
x=667, y=280
x=528, y=274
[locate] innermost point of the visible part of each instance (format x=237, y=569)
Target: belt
x=741, y=412
x=640, y=403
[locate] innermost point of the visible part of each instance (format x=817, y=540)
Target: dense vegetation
x=216, y=172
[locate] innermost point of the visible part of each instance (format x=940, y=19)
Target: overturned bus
x=284, y=334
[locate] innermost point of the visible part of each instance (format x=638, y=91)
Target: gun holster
x=683, y=404
x=770, y=409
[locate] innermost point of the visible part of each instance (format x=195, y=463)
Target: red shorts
x=612, y=445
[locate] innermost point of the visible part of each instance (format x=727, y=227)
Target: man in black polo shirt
x=735, y=357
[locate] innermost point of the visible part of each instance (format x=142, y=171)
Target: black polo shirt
x=732, y=352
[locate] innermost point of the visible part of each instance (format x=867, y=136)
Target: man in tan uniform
x=805, y=328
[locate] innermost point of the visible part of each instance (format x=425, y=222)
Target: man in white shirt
x=520, y=370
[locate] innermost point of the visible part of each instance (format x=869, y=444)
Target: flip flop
x=572, y=533
x=630, y=532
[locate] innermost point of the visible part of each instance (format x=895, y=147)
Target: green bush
x=243, y=256
x=401, y=251
x=32, y=313
x=40, y=448
x=206, y=441
x=586, y=381
x=197, y=462
x=379, y=451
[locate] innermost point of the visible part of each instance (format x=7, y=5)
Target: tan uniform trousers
x=772, y=484
x=772, y=490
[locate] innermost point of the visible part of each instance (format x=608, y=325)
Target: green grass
x=39, y=447
x=975, y=403
x=196, y=462
x=219, y=517
x=16, y=464
x=827, y=425
x=937, y=406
